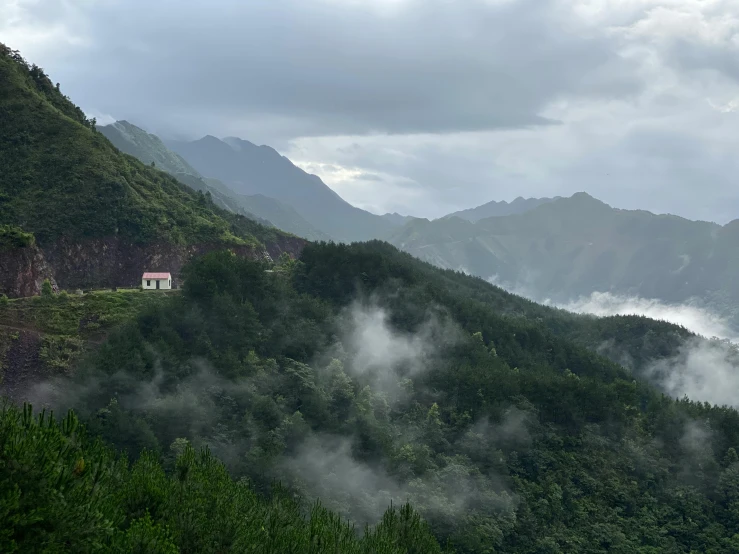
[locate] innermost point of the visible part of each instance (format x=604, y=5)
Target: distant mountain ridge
x=397, y=219
x=493, y=208
x=250, y=169
x=149, y=149
x=574, y=246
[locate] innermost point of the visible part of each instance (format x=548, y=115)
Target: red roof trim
x=157, y=276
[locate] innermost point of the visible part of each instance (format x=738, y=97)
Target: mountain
x=264, y=403
x=97, y=217
x=491, y=209
x=397, y=219
x=150, y=149
x=251, y=169
x=361, y=376
x=574, y=246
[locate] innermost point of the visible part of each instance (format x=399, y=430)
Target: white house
x=156, y=281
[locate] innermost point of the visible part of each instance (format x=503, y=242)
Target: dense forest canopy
x=360, y=376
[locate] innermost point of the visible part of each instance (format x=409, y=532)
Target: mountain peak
x=583, y=198
x=210, y=139
x=500, y=208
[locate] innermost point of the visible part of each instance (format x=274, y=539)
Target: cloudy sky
x=424, y=106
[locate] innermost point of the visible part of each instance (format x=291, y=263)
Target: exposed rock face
x=110, y=262
x=22, y=272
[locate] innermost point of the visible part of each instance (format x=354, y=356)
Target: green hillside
x=65, y=492
x=61, y=178
x=361, y=376
x=574, y=246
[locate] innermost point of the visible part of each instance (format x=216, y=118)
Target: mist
x=699, y=320
x=383, y=357
x=228, y=416
x=705, y=368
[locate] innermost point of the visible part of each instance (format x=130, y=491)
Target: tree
x=46, y=289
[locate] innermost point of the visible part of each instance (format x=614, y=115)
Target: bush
x=14, y=237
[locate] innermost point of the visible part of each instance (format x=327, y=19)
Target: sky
x=424, y=107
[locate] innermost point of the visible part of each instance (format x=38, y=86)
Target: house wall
x=164, y=284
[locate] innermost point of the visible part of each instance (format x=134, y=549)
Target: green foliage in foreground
x=61, y=492
x=504, y=434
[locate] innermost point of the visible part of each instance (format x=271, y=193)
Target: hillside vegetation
x=359, y=376
x=61, y=178
x=64, y=492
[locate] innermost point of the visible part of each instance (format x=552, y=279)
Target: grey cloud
x=368, y=177
x=697, y=56
x=481, y=81
x=283, y=68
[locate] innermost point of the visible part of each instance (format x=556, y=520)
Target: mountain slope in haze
x=493, y=208
x=150, y=149
x=99, y=217
x=251, y=169
x=574, y=246
x=397, y=219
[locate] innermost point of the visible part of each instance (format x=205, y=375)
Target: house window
x=148, y=283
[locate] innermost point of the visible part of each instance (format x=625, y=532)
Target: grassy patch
x=80, y=316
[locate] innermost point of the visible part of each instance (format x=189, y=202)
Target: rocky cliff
x=22, y=271
x=111, y=262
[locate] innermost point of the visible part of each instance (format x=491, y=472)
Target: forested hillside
x=62, y=178
x=359, y=376
x=64, y=492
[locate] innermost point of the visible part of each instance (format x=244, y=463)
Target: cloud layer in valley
x=697, y=319
x=424, y=107
x=702, y=369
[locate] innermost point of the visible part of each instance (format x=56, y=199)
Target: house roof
x=157, y=276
